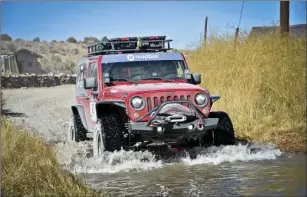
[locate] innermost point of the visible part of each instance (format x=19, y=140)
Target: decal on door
x=93, y=110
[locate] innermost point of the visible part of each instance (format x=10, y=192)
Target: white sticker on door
x=93, y=110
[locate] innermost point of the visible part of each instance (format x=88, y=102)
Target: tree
x=71, y=40
x=6, y=37
x=37, y=39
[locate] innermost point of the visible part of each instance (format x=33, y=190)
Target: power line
x=241, y=14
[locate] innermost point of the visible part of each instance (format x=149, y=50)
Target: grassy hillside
x=262, y=84
x=29, y=167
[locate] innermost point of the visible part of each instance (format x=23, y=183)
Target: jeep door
x=90, y=99
x=81, y=93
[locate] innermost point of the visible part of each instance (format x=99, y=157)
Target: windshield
x=142, y=70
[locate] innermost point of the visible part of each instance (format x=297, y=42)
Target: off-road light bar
x=130, y=45
x=153, y=38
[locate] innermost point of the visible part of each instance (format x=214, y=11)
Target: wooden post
x=205, y=33
x=236, y=37
x=284, y=17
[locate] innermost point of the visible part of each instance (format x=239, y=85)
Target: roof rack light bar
x=130, y=45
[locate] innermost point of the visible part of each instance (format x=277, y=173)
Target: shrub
x=19, y=40
x=37, y=39
x=71, y=40
x=90, y=40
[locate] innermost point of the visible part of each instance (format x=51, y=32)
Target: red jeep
x=132, y=93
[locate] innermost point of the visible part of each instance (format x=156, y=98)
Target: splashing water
x=217, y=155
x=119, y=161
x=164, y=191
x=72, y=157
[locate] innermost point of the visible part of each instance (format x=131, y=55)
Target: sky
x=182, y=21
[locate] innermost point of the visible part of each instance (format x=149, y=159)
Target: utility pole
x=236, y=36
x=205, y=33
x=284, y=17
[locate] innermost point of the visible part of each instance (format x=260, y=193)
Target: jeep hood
x=142, y=88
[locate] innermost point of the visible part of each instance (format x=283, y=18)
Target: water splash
x=72, y=156
x=164, y=191
x=119, y=161
x=217, y=155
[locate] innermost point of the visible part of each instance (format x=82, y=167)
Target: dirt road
x=42, y=110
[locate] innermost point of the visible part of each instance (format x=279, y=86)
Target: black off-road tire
x=224, y=132
x=111, y=130
x=76, y=131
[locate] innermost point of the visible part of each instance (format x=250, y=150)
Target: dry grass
x=29, y=167
x=262, y=84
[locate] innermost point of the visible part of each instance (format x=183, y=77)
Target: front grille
x=153, y=102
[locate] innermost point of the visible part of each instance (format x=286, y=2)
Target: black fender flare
x=79, y=110
x=118, y=103
x=106, y=106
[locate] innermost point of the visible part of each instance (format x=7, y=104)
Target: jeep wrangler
x=134, y=93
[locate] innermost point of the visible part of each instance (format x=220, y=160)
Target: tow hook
x=200, y=127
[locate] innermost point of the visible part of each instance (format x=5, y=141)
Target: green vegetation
x=71, y=40
x=29, y=167
x=262, y=84
x=5, y=37
x=37, y=39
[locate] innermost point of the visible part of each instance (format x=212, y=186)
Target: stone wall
x=33, y=80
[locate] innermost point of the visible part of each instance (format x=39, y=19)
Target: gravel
x=45, y=111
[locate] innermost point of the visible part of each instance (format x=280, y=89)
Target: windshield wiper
x=157, y=78
x=122, y=79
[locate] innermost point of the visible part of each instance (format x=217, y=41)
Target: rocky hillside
x=58, y=56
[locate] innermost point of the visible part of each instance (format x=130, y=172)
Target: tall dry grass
x=262, y=84
x=29, y=167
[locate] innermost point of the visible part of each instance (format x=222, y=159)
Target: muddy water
x=231, y=170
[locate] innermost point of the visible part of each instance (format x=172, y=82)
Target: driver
x=170, y=69
x=119, y=73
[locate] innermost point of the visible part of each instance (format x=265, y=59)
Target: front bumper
x=172, y=127
x=172, y=130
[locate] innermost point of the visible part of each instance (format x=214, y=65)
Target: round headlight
x=201, y=99
x=137, y=103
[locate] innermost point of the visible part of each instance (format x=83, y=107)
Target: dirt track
x=44, y=110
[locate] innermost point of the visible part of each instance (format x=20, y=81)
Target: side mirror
x=90, y=83
x=196, y=78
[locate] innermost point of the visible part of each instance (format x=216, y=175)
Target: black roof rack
x=129, y=45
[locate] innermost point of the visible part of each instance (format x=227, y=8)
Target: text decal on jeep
x=93, y=113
